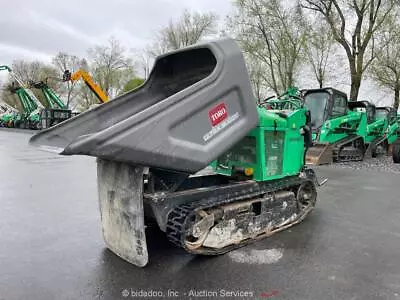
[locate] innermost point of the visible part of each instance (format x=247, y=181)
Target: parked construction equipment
x=7, y=114
x=390, y=130
x=381, y=128
x=338, y=132
x=197, y=109
x=55, y=111
x=347, y=130
x=30, y=118
x=396, y=144
x=287, y=100
x=88, y=80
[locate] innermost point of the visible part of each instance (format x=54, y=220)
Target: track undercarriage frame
x=207, y=215
x=351, y=148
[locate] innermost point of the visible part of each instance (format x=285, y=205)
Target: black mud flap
x=120, y=188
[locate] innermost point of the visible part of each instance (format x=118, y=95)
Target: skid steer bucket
x=319, y=154
x=195, y=105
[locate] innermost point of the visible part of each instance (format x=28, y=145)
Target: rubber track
x=379, y=140
x=337, y=149
x=179, y=216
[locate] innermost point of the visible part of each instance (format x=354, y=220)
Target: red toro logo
x=218, y=114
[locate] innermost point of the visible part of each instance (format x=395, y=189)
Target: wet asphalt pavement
x=51, y=245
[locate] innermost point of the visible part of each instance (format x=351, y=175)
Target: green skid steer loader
x=338, y=132
x=381, y=128
x=389, y=133
x=196, y=110
x=396, y=144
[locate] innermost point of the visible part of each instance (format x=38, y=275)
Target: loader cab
x=364, y=106
x=386, y=112
x=324, y=104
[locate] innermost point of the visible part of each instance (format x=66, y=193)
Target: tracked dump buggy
x=196, y=110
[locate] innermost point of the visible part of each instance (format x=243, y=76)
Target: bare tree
x=86, y=99
x=157, y=47
x=271, y=32
x=256, y=76
x=10, y=99
x=111, y=67
x=318, y=49
x=385, y=69
x=64, y=61
x=143, y=61
x=32, y=70
x=356, y=39
x=257, y=81
x=188, y=30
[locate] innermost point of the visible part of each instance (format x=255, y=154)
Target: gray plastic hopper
x=195, y=105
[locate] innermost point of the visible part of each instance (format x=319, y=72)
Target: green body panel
x=274, y=149
x=375, y=130
x=390, y=128
x=34, y=117
x=31, y=114
x=333, y=118
x=5, y=118
x=18, y=118
x=28, y=104
x=10, y=119
x=392, y=132
x=338, y=128
x=52, y=99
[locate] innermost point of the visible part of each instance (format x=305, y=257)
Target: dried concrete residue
x=259, y=257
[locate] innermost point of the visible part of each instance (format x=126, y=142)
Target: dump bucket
x=195, y=105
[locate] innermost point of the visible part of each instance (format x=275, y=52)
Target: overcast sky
x=38, y=29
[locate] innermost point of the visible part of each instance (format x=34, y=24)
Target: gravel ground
x=381, y=164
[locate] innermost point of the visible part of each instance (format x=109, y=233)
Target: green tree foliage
x=132, y=84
